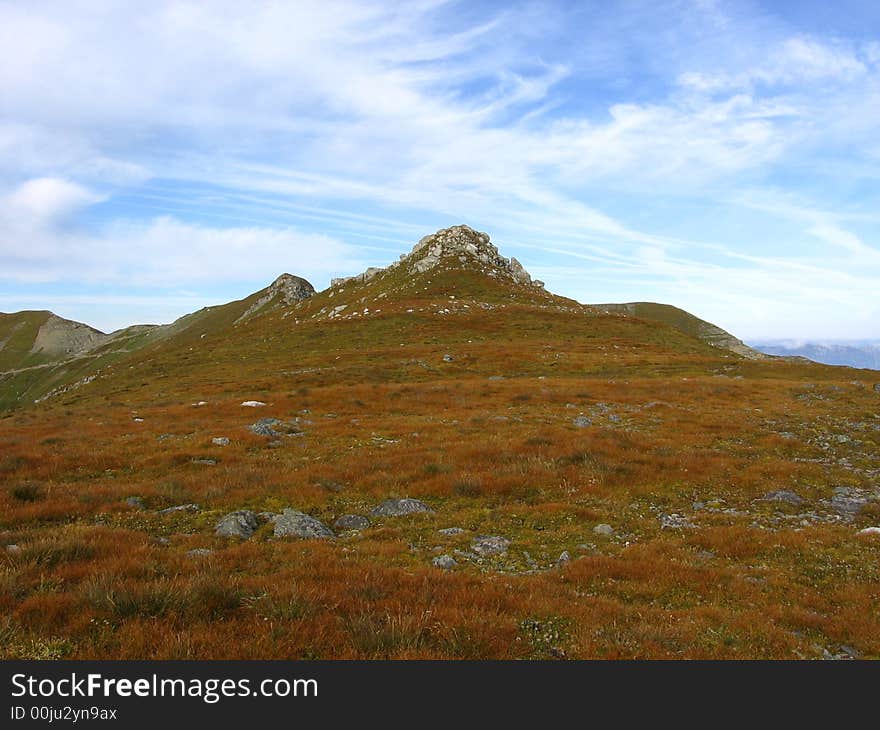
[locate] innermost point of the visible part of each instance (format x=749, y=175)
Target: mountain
x=850, y=354
x=42, y=355
x=688, y=323
x=437, y=459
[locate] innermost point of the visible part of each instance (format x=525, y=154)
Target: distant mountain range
x=854, y=353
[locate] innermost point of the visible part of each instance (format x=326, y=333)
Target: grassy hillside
x=34, y=366
x=650, y=495
x=687, y=323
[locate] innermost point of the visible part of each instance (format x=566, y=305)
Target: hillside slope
x=687, y=323
x=590, y=484
x=42, y=355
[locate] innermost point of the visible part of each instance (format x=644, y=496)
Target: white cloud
x=795, y=60
x=343, y=115
x=35, y=247
x=45, y=201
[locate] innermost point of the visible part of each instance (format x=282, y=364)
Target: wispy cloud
x=224, y=142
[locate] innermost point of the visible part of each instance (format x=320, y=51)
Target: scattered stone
x=291, y=523
x=135, y=502
x=13, y=548
x=199, y=553
x=274, y=428
x=200, y=403
x=399, y=507
x=870, y=531
x=582, y=422
x=490, y=545
x=877, y=387
x=448, y=358
x=603, y=529
x=137, y=419
x=252, y=403
x=220, y=441
x=530, y=561
x=563, y=558
x=451, y=531
x=263, y=427
x=206, y=462
x=844, y=653
x=351, y=522
x=445, y=562
x=675, y=522
x=242, y=523
x=180, y=508
x=783, y=495
x=847, y=502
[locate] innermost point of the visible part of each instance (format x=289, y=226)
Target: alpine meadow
x=439, y=330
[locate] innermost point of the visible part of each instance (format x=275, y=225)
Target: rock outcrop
x=287, y=289
x=58, y=336
x=460, y=246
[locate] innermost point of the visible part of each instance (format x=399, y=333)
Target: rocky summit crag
x=459, y=246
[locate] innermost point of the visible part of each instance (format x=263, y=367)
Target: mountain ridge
x=846, y=354
x=457, y=264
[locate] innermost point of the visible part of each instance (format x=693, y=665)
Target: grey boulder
x=848, y=502
x=242, y=523
x=291, y=523
x=351, y=522
x=490, y=545
x=451, y=531
x=179, y=508
x=675, y=522
x=783, y=495
x=399, y=507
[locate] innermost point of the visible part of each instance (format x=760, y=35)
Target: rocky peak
x=459, y=247
x=462, y=245
x=287, y=289
x=290, y=288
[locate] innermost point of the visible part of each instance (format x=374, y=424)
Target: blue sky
x=720, y=156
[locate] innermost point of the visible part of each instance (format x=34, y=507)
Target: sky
x=724, y=157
